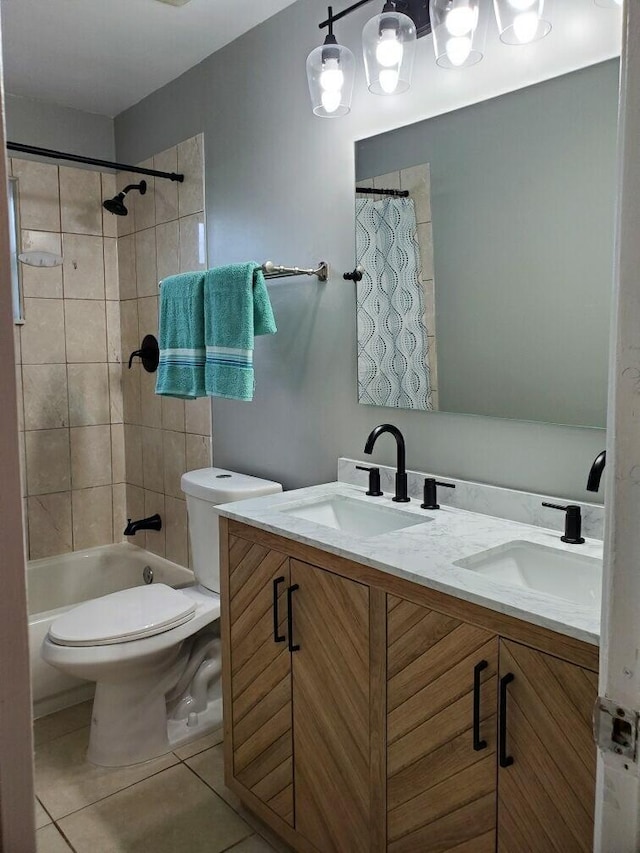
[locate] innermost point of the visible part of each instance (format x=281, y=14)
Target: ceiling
x=103, y=56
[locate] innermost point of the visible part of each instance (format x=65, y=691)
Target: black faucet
x=595, y=474
x=401, y=473
x=154, y=522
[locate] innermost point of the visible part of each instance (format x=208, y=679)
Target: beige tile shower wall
x=417, y=179
x=163, y=234
x=68, y=355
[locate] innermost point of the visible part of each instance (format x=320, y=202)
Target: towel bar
x=272, y=270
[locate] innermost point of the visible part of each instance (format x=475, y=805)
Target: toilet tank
x=205, y=489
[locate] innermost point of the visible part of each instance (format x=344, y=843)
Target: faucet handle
x=572, y=522
x=431, y=492
x=374, y=481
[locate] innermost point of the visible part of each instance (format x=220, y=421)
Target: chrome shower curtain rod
x=91, y=161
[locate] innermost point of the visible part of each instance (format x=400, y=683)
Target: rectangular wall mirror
x=487, y=289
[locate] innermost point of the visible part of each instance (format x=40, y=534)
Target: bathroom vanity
x=381, y=693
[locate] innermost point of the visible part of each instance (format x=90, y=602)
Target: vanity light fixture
x=457, y=35
x=330, y=72
x=523, y=21
x=389, y=41
x=388, y=45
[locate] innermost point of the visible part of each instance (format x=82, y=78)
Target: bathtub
x=56, y=584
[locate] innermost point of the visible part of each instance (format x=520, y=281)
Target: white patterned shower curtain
x=393, y=356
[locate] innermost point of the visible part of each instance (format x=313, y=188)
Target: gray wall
x=46, y=125
x=522, y=198
x=279, y=185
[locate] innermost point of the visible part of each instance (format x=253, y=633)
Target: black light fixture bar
x=333, y=18
x=91, y=161
x=392, y=193
x=418, y=10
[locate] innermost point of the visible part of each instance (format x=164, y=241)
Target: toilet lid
x=130, y=614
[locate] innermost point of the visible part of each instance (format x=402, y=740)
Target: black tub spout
x=154, y=522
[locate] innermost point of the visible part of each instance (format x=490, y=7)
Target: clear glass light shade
x=458, y=33
x=523, y=21
x=330, y=73
x=388, y=45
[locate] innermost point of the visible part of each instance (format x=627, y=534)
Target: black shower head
x=116, y=204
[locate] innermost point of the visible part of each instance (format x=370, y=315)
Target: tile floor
x=175, y=803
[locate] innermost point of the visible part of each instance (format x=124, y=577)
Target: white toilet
x=154, y=651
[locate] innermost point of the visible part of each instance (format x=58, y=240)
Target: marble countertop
x=425, y=553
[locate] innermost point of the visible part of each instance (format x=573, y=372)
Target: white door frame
x=618, y=788
x=17, y=832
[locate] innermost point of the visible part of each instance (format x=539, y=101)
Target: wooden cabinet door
x=260, y=704
x=546, y=796
x=331, y=709
x=441, y=732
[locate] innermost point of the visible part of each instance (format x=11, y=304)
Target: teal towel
x=181, y=337
x=237, y=308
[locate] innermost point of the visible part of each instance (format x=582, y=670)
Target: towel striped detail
x=230, y=356
x=183, y=357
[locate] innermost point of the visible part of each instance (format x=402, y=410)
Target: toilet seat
x=124, y=616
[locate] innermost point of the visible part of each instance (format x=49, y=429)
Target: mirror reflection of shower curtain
x=393, y=355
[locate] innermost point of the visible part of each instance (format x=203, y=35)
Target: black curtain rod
x=90, y=161
x=394, y=193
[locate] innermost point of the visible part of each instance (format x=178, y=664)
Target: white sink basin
x=357, y=517
x=563, y=574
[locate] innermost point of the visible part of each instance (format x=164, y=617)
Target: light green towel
x=236, y=309
x=181, y=370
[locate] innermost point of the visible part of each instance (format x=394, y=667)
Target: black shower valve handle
x=136, y=354
x=149, y=354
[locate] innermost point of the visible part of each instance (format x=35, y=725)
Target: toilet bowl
x=154, y=651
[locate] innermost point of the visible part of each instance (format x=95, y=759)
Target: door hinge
x=615, y=728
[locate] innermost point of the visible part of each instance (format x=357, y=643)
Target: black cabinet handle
x=477, y=671
x=505, y=681
x=277, y=638
x=290, y=591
